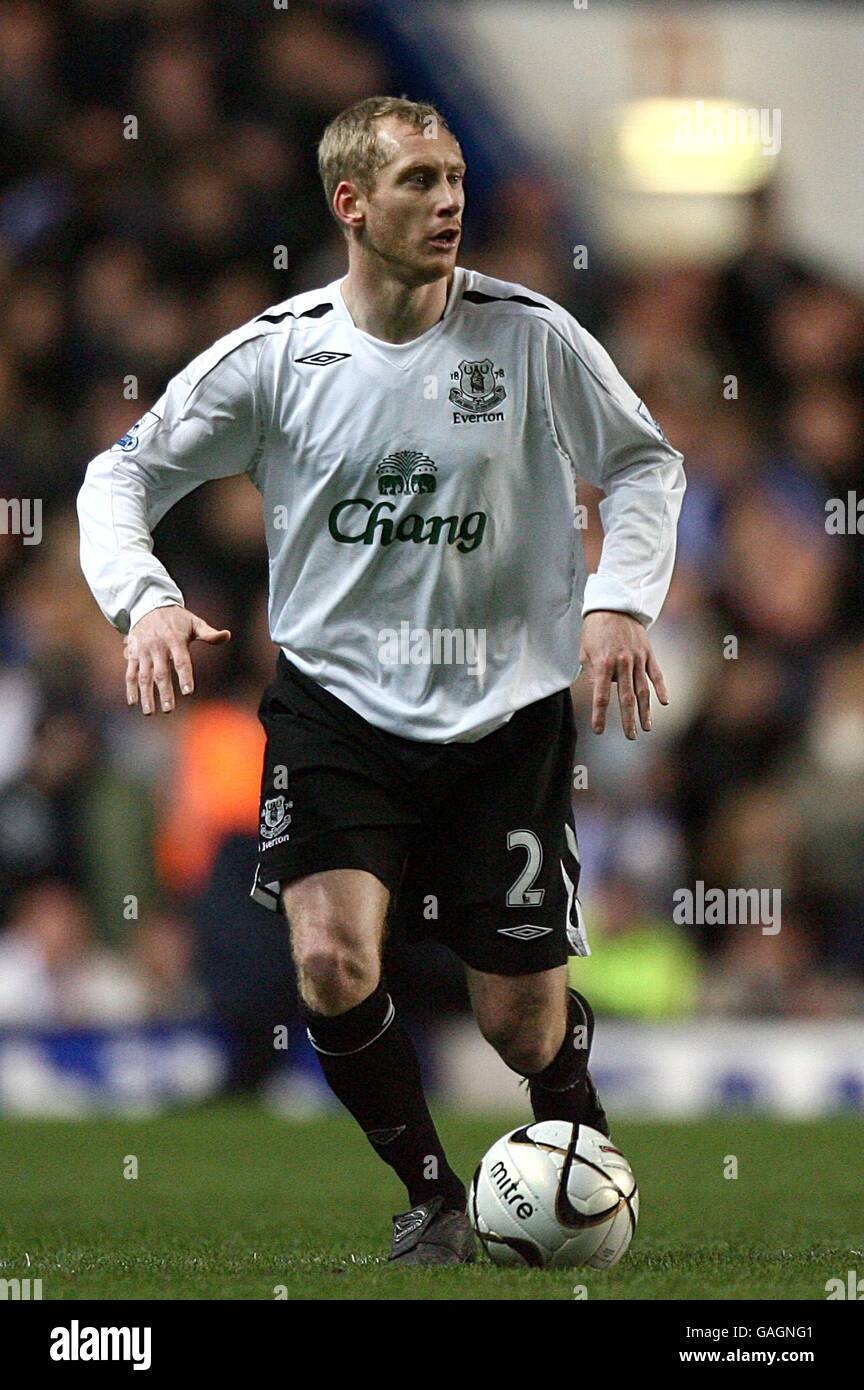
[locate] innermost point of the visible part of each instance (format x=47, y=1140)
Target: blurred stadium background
x=727, y=284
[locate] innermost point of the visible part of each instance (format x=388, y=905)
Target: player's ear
x=346, y=200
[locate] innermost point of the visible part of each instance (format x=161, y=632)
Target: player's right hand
x=159, y=644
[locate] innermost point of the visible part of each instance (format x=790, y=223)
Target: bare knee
x=336, y=949
x=335, y=976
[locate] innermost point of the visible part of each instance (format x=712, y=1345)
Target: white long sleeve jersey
x=419, y=498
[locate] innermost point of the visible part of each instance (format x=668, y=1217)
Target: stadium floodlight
x=691, y=145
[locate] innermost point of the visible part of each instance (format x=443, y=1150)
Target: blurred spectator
x=775, y=976
x=824, y=782
x=52, y=973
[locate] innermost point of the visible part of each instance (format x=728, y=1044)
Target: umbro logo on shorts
x=525, y=933
x=323, y=359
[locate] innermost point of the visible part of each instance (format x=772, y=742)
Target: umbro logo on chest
x=322, y=359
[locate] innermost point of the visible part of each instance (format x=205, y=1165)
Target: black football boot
x=430, y=1235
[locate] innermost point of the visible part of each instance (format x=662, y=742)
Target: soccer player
x=415, y=429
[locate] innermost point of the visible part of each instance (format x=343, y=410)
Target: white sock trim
x=389, y=1017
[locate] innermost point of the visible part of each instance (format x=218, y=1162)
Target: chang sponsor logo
x=357, y=520
x=362, y=521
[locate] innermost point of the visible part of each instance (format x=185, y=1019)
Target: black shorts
x=475, y=841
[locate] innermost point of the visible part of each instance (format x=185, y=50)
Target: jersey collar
x=401, y=349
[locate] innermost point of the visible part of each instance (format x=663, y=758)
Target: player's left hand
x=615, y=648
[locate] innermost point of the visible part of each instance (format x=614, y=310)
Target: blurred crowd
x=153, y=161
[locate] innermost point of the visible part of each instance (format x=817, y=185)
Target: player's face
x=413, y=216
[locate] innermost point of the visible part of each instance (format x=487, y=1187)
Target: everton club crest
x=275, y=817
x=479, y=388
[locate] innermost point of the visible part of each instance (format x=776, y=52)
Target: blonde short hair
x=350, y=148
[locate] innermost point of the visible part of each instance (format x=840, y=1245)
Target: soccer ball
x=554, y=1194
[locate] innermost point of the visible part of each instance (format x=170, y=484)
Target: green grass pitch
x=233, y=1203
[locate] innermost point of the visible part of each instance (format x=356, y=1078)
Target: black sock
x=569, y=1064
x=564, y=1090
x=369, y=1062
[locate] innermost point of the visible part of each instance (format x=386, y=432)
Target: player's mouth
x=446, y=240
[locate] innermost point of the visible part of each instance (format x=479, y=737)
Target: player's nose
x=450, y=203
x=450, y=195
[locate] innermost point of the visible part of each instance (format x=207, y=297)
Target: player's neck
x=390, y=310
